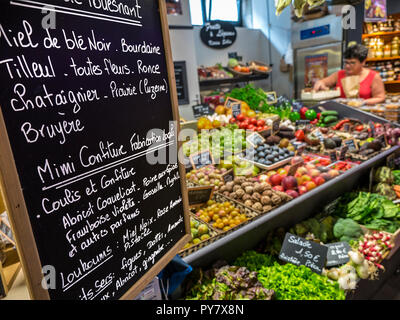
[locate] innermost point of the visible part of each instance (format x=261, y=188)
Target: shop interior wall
x=278, y=34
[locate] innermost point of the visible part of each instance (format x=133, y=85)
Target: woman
x=372, y=89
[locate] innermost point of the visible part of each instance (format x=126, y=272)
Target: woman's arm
x=326, y=83
x=378, y=91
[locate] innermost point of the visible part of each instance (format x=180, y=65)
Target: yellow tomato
x=251, y=114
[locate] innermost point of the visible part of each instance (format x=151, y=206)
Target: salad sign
x=230, y=102
x=338, y=253
x=275, y=126
x=333, y=156
x=299, y=251
x=255, y=139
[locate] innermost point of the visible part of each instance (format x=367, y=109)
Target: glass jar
x=387, y=51
x=395, y=50
x=379, y=52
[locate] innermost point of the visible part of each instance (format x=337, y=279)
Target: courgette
x=330, y=119
x=329, y=113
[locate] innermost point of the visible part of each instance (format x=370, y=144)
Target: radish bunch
x=374, y=245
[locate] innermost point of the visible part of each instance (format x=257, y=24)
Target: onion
x=356, y=257
x=362, y=270
x=333, y=274
x=346, y=283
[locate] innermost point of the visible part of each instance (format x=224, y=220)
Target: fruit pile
x=306, y=178
x=342, y=166
x=222, y=216
x=200, y=232
x=207, y=176
x=251, y=124
x=258, y=196
x=268, y=155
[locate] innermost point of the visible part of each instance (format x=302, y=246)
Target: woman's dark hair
x=356, y=51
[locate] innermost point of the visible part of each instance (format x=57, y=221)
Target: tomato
x=232, y=120
x=243, y=126
x=300, y=136
x=265, y=128
x=259, y=129
x=240, y=117
x=360, y=128
x=253, y=121
x=261, y=123
x=251, y=127
x=303, y=113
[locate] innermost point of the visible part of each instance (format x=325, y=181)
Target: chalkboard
x=333, y=156
x=200, y=195
x=299, y=251
x=88, y=133
x=201, y=159
x=229, y=102
x=228, y=176
x=218, y=34
x=341, y=155
x=275, y=126
x=271, y=97
x=201, y=110
x=302, y=122
x=351, y=143
x=236, y=109
x=338, y=254
x=255, y=139
x=181, y=82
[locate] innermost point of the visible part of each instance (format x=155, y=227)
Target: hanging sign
x=218, y=34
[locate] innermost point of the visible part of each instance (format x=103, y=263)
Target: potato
x=246, y=184
x=267, y=208
x=223, y=189
x=239, y=180
x=266, y=186
x=236, y=188
x=267, y=193
x=246, y=197
x=240, y=193
x=249, y=190
x=265, y=200
x=226, y=193
x=256, y=197
x=258, y=188
x=229, y=186
x=233, y=195
x=276, y=199
x=249, y=203
x=257, y=206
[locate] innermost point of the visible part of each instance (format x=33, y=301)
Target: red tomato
x=260, y=123
x=251, y=127
x=243, y=126
x=253, y=121
x=232, y=120
x=259, y=129
x=240, y=117
x=265, y=128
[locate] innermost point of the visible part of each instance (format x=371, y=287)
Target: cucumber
x=330, y=119
x=329, y=113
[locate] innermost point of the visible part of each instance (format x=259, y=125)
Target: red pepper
x=360, y=128
x=314, y=121
x=300, y=136
x=319, y=115
x=303, y=113
x=340, y=124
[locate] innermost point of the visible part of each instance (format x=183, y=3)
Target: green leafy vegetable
x=254, y=261
x=299, y=283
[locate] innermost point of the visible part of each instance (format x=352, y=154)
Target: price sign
x=299, y=251
x=236, y=109
x=302, y=122
x=351, y=144
x=200, y=195
x=201, y=110
x=201, y=159
x=228, y=176
x=341, y=155
x=338, y=254
x=333, y=156
x=383, y=140
x=372, y=129
x=275, y=126
x=229, y=102
x=319, y=136
x=255, y=139
x=271, y=97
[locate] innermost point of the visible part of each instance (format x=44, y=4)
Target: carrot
x=396, y=188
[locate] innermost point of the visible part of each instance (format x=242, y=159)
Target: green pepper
x=294, y=116
x=311, y=115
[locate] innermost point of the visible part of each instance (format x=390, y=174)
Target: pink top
x=365, y=85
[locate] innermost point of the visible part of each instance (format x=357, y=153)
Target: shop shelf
x=383, y=59
x=380, y=34
x=218, y=82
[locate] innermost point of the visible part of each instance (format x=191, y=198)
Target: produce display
x=200, y=232
x=222, y=216
x=258, y=196
x=308, y=148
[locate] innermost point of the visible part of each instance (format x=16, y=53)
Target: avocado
x=329, y=144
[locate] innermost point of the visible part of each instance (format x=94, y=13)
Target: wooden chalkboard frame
x=18, y=213
x=182, y=65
